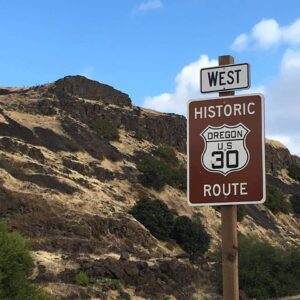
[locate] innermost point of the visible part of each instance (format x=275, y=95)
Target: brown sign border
x=263, y=153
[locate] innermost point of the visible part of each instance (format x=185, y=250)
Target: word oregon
x=227, y=110
x=225, y=189
x=225, y=134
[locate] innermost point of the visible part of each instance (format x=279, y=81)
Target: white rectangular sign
x=225, y=78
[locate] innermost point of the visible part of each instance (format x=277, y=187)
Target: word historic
x=225, y=110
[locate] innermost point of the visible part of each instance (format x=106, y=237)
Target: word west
x=223, y=77
x=225, y=189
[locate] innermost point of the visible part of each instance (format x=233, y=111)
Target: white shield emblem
x=225, y=148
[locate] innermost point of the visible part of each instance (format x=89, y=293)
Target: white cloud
x=241, y=42
x=187, y=88
x=291, y=34
x=150, y=5
x=283, y=94
x=283, y=102
x=290, y=61
x=268, y=33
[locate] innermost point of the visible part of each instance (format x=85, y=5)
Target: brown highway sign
x=226, y=150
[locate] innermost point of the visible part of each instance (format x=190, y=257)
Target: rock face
x=82, y=87
x=70, y=191
x=278, y=157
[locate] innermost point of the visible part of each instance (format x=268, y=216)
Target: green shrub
x=275, y=200
x=266, y=271
x=82, y=278
x=294, y=172
x=179, y=178
x=167, y=154
x=191, y=236
x=155, y=172
x=105, y=129
x=155, y=216
x=241, y=212
x=164, y=225
x=112, y=283
x=15, y=264
x=295, y=201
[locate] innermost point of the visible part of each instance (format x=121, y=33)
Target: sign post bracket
x=229, y=230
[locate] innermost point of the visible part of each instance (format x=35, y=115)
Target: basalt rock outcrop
x=70, y=192
x=82, y=87
x=278, y=157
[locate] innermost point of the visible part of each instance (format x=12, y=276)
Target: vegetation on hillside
x=164, y=225
x=82, y=278
x=190, y=236
x=155, y=216
x=276, y=201
x=294, y=172
x=161, y=169
x=105, y=129
x=295, y=202
x=15, y=265
x=265, y=271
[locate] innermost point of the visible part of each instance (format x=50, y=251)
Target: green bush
x=105, y=129
x=155, y=172
x=155, y=216
x=191, y=236
x=164, y=225
x=241, y=212
x=167, y=154
x=82, y=278
x=112, y=283
x=295, y=201
x=294, y=172
x=15, y=264
x=179, y=178
x=275, y=200
x=265, y=271
x=163, y=169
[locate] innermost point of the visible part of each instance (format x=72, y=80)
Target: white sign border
x=226, y=90
x=263, y=153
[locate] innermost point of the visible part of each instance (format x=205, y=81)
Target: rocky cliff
x=69, y=191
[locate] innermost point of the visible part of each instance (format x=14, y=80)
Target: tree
x=15, y=264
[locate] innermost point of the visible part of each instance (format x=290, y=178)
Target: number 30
x=231, y=159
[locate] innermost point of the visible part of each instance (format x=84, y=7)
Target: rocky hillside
x=70, y=190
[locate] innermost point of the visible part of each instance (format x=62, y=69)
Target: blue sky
x=154, y=49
